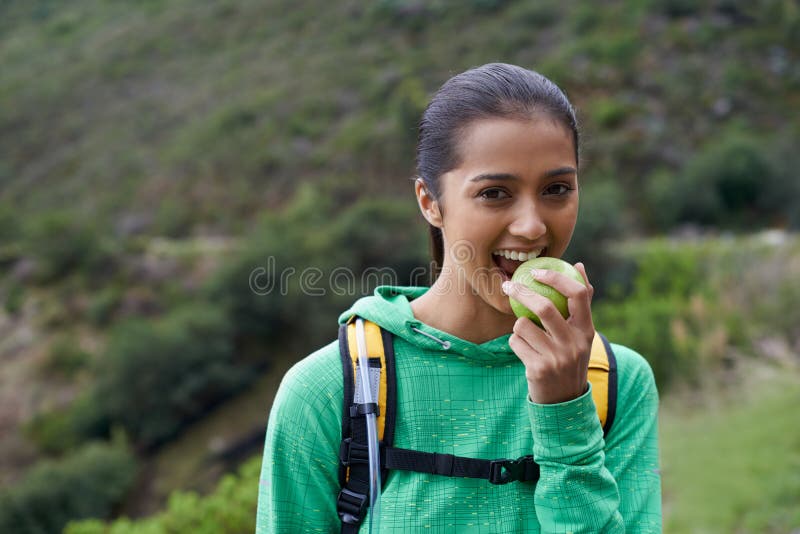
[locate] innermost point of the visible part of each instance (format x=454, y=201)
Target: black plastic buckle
x=505, y=471
x=353, y=453
x=351, y=506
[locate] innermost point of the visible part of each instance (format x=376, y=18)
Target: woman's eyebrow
x=494, y=176
x=507, y=176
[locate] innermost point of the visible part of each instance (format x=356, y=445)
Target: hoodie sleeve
x=591, y=485
x=299, y=472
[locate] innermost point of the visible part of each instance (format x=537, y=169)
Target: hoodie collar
x=390, y=308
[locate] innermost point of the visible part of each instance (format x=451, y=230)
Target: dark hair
x=492, y=90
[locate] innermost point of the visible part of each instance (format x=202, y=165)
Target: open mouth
x=507, y=261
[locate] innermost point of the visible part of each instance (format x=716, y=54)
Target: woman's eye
x=558, y=189
x=493, y=194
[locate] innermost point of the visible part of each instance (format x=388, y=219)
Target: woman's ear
x=428, y=205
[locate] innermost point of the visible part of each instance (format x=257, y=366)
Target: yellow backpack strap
x=603, y=376
x=375, y=350
x=353, y=466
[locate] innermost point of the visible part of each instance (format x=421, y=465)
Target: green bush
x=737, y=182
x=66, y=357
x=54, y=432
x=62, y=244
x=14, y=298
x=653, y=317
x=88, y=483
x=664, y=197
x=230, y=509
x=608, y=112
x=645, y=325
x=266, y=291
x=677, y=8
x=158, y=376
x=259, y=289
x=380, y=233
x=9, y=221
x=154, y=378
x=102, y=305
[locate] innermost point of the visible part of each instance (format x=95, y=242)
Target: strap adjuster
x=351, y=506
x=353, y=453
x=505, y=471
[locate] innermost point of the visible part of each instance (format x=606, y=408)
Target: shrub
x=608, y=112
x=645, y=325
x=380, y=233
x=62, y=244
x=53, y=432
x=88, y=483
x=267, y=291
x=66, y=356
x=103, y=304
x=157, y=376
x=14, y=297
x=653, y=317
x=230, y=509
x=736, y=182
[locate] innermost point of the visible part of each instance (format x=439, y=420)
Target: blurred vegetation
x=139, y=142
x=87, y=483
x=184, y=117
x=693, y=305
x=230, y=508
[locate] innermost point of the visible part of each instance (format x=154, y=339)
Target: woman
x=498, y=182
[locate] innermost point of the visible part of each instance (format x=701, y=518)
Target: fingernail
x=536, y=273
x=507, y=287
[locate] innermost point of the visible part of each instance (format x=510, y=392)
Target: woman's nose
x=528, y=224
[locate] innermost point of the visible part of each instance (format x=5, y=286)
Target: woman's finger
x=542, y=306
x=564, y=284
x=534, y=336
x=579, y=296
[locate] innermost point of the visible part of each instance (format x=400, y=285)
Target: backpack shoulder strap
x=353, y=456
x=603, y=376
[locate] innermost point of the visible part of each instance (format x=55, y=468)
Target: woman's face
x=515, y=191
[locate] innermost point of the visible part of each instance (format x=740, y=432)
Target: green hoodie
x=469, y=400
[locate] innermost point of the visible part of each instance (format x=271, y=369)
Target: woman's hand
x=556, y=358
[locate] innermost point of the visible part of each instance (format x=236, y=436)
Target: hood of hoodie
x=390, y=308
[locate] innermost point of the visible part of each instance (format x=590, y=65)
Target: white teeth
x=516, y=255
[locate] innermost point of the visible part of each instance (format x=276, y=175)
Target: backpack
x=353, y=498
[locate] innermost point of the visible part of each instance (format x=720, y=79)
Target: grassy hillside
x=181, y=117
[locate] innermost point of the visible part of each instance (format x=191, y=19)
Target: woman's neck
x=456, y=310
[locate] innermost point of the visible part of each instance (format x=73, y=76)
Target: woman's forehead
x=538, y=144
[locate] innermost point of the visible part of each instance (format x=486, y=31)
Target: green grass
x=733, y=465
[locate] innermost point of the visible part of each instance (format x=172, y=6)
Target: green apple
x=523, y=276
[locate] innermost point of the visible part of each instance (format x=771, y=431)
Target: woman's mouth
x=507, y=261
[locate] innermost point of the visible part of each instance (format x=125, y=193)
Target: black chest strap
x=500, y=471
